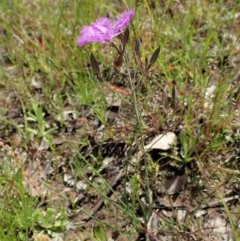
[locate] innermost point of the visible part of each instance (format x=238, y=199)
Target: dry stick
x=217, y=203
x=212, y=204
x=109, y=191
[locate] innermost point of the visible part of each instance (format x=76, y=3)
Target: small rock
x=162, y=142
x=81, y=186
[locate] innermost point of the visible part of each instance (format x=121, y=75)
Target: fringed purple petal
x=103, y=24
x=103, y=29
x=122, y=21
x=96, y=32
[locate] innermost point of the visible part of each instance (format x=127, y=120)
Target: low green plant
x=17, y=208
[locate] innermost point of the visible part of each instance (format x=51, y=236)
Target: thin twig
x=100, y=203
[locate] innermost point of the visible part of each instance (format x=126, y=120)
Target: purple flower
x=104, y=29
x=122, y=21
